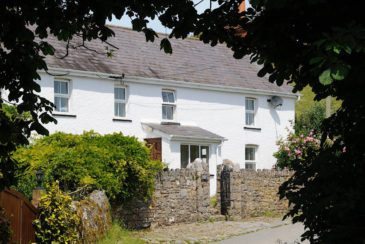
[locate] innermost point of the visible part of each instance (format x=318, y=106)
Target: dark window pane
x=204, y=152
x=168, y=97
x=194, y=152
x=250, y=119
x=250, y=104
x=61, y=104
x=119, y=93
x=250, y=153
x=57, y=87
x=167, y=112
x=119, y=109
x=64, y=88
x=184, y=151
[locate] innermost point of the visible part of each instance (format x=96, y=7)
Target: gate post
x=225, y=184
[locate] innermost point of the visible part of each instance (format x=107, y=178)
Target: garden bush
x=119, y=165
x=56, y=222
x=295, y=149
x=310, y=120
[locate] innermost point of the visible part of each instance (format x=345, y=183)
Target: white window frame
x=169, y=104
x=252, y=162
x=253, y=112
x=123, y=101
x=61, y=95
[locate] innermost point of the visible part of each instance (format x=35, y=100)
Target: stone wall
x=181, y=195
x=95, y=216
x=254, y=193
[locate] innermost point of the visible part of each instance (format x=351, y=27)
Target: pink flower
x=344, y=149
x=298, y=152
x=308, y=139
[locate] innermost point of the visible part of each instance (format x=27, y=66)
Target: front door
x=155, y=146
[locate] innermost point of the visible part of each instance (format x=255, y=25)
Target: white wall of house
x=221, y=112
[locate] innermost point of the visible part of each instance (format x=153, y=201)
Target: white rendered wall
x=92, y=101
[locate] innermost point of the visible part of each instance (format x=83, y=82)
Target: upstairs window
x=61, y=95
x=168, y=104
x=250, y=157
x=250, y=106
x=119, y=101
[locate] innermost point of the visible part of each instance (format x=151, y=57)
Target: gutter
x=154, y=81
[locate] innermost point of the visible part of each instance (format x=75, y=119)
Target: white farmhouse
x=198, y=102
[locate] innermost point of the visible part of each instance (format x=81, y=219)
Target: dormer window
x=168, y=104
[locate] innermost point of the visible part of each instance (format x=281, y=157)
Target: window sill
x=120, y=119
x=64, y=115
x=169, y=122
x=252, y=128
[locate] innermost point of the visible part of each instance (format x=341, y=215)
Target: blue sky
x=125, y=21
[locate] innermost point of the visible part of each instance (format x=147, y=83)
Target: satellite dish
x=275, y=101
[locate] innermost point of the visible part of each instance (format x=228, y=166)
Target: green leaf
x=339, y=72
x=315, y=60
x=166, y=46
x=325, y=78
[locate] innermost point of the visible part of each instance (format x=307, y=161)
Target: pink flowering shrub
x=295, y=149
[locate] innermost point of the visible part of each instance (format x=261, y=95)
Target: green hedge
x=118, y=164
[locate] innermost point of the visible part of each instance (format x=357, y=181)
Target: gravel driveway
x=266, y=230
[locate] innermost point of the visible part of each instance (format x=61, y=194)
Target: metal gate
x=225, y=189
x=21, y=214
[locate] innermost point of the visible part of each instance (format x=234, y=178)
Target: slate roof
x=191, y=61
x=185, y=131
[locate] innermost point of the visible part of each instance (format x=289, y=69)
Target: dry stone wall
x=181, y=195
x=95, y=216
x=254, y=193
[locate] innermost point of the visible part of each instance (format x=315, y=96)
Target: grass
x=118, y=234
x=213, y=201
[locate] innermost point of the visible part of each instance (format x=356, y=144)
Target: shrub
x=310, y=119
x=5, y=232
x=118, y=164
x=56, y=223
x=295, y=149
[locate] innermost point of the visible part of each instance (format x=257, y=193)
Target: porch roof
x=179, y=132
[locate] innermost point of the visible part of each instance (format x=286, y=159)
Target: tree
x=319, y=43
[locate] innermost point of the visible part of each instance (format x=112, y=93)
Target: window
x=119, y=101
x=191, y=152
x=250, y=157
x=250, y=106
x=168, y=104
x=61, y=95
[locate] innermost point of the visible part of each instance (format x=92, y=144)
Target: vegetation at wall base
x=56, y=222
x=118, y=234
